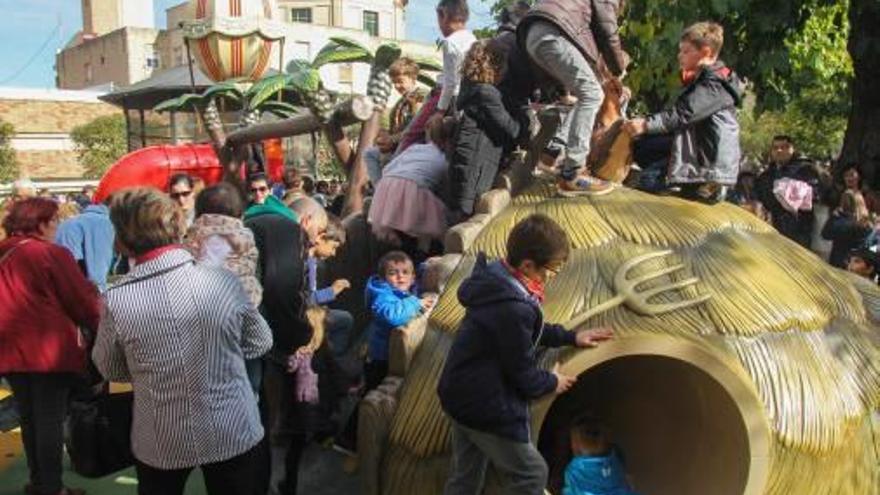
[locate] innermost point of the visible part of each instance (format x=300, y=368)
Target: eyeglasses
x=553, y=270
x=259, y=189
x=180, y=194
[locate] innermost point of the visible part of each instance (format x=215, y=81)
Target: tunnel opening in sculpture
x=677, y=428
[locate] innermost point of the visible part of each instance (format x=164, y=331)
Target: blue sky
x=31, y=31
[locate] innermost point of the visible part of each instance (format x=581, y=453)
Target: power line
x=34, y=57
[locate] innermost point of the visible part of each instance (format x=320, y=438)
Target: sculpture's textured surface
x=801, y=336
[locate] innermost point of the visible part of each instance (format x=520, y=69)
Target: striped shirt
x=180, y=333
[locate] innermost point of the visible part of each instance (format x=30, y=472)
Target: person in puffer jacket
x=706, y=152
x=393, y=303
x=491, y=371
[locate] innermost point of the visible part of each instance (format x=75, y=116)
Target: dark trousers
x=374, y=373
x=42, y=404
x=231, y=477
x=290, y=427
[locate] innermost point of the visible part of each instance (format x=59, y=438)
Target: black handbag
x=99, y=434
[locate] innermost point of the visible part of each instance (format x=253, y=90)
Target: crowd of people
x=221, y=320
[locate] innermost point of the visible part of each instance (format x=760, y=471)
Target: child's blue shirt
x=317, y=296
x=596, y=475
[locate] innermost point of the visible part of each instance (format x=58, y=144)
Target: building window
x=152, y=57
x=178, y=56
x=371, y=22
x=301, y=15
x=88, y=71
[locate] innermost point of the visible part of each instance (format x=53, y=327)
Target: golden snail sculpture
x=743, y=364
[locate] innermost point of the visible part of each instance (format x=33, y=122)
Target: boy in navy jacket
x=491, y=372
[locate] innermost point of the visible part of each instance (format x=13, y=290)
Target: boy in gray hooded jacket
x=705, y=153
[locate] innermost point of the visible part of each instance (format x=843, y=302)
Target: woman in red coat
x=43, y=297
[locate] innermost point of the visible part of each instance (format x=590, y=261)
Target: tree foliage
x=99, y=144
x=8, y=162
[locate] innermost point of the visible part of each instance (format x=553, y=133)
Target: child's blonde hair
x=704, y=34
x=853, y=202
x=404, y=67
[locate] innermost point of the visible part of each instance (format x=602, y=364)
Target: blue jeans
x=553, y=52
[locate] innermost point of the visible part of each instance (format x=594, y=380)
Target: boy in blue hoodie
x=491, y=372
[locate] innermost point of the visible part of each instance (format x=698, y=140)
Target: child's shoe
x=584, y=185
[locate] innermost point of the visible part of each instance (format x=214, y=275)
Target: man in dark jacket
x=282, y=247
x=785, y=162
x=491, y=372
x=705, y=153
x=575, y=42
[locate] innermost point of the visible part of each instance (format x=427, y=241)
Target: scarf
x=533, y=287
x=689, y=76
x=155, y=253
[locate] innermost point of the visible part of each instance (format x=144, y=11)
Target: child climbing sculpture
x=575, y=42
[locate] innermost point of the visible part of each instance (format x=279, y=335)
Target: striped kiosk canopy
x=232, y=39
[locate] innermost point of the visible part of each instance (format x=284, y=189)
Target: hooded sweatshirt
x=596, y=475
x=491, y=372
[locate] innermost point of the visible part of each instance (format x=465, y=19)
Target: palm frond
x=226, y=89
x=386, y=54
x=349, y=43
x=334, y=53
x=428, y=64
x=179, y=103
x=280, y=108
x=267, y=87
x=427, y=80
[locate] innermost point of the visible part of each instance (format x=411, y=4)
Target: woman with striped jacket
x=180, y=333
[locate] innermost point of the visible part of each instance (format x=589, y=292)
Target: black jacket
x=484, y=129
x=846, y=234
x=491, y=373
x=518, y=80
x=280, y=242
x=797, y=227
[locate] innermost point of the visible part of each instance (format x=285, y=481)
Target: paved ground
x=321, y=473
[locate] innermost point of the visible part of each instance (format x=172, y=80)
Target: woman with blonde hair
x=485, y=128
x=180, y=333
x=848, y=227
